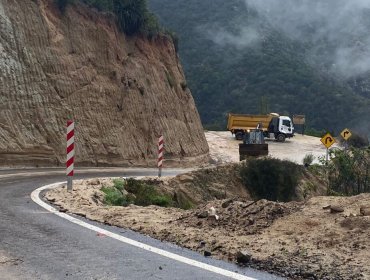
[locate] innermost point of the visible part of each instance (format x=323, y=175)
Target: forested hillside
x=237, y=55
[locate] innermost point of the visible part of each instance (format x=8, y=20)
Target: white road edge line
x=36, y=198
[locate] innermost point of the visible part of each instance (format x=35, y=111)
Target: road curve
x=36, y=244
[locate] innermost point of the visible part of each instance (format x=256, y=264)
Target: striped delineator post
x=70, y=152
x=160, y=155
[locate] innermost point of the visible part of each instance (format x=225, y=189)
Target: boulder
x=207, y=253
x=185, y=178
x=203, y=215
x=94, y=182
x=243, y=257
x=226, y=203
x=365, y=210
x=336, y=209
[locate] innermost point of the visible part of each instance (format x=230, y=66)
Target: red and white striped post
x=160, y=155
x=70, y=152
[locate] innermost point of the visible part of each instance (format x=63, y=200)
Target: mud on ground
x=223, y=148
x=299, y=240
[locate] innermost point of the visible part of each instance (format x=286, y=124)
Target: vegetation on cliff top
x=132, y=16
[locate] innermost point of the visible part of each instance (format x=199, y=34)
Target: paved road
x=35, y=244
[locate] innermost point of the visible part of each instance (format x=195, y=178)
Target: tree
x=62, y=4
x=131, y=15
x=349, y=172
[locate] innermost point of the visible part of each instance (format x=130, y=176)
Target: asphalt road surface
x=36, y=244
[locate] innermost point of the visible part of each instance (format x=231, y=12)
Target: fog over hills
x=309, y=57
x=336, y=30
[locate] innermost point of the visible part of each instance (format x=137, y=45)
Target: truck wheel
x=239, y=136
x=280, y=138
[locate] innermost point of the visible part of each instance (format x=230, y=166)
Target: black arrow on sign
x=328, y=139
x=345, y=133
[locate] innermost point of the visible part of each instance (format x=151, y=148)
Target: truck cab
x=281, y=127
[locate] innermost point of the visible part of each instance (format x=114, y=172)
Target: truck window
x=286, y=122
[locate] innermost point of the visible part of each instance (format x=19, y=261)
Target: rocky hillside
x=122, y=91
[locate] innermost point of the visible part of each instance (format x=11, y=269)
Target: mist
x=244, y=37
x=336, y=31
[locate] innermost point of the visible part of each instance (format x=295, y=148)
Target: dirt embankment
x=300, y=240
x=197, y=187
x=123, y=92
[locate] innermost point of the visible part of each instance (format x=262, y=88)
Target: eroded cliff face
x=122, y=91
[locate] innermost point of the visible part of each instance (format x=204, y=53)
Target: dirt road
x=224, y=148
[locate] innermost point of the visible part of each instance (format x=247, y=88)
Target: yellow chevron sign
x=327, y=140
x=346, y=134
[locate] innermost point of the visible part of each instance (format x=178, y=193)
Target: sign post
x=160, y=155
x=346, y=134
x=70, y=154
x=328, y=141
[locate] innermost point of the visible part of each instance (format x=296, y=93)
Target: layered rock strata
x=122, y=92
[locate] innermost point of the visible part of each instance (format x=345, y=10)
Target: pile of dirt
x=241, y=217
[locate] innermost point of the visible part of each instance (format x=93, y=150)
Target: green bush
x=146, y=194
x=349, y=172
x=151, y=26
x=271, y=179
x=114, y=197
x=308, y=188
x=162, y=200
x=118, y=184
x=358, y=140
x=131, y=15
x=308, y=159
x=101, y=5
x=132, y=191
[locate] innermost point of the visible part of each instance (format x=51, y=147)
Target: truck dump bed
x=245, y=122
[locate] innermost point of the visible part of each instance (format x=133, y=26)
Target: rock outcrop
x=122, y=92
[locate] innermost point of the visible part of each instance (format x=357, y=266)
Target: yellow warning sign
x=327, y=140
x=346, y=134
